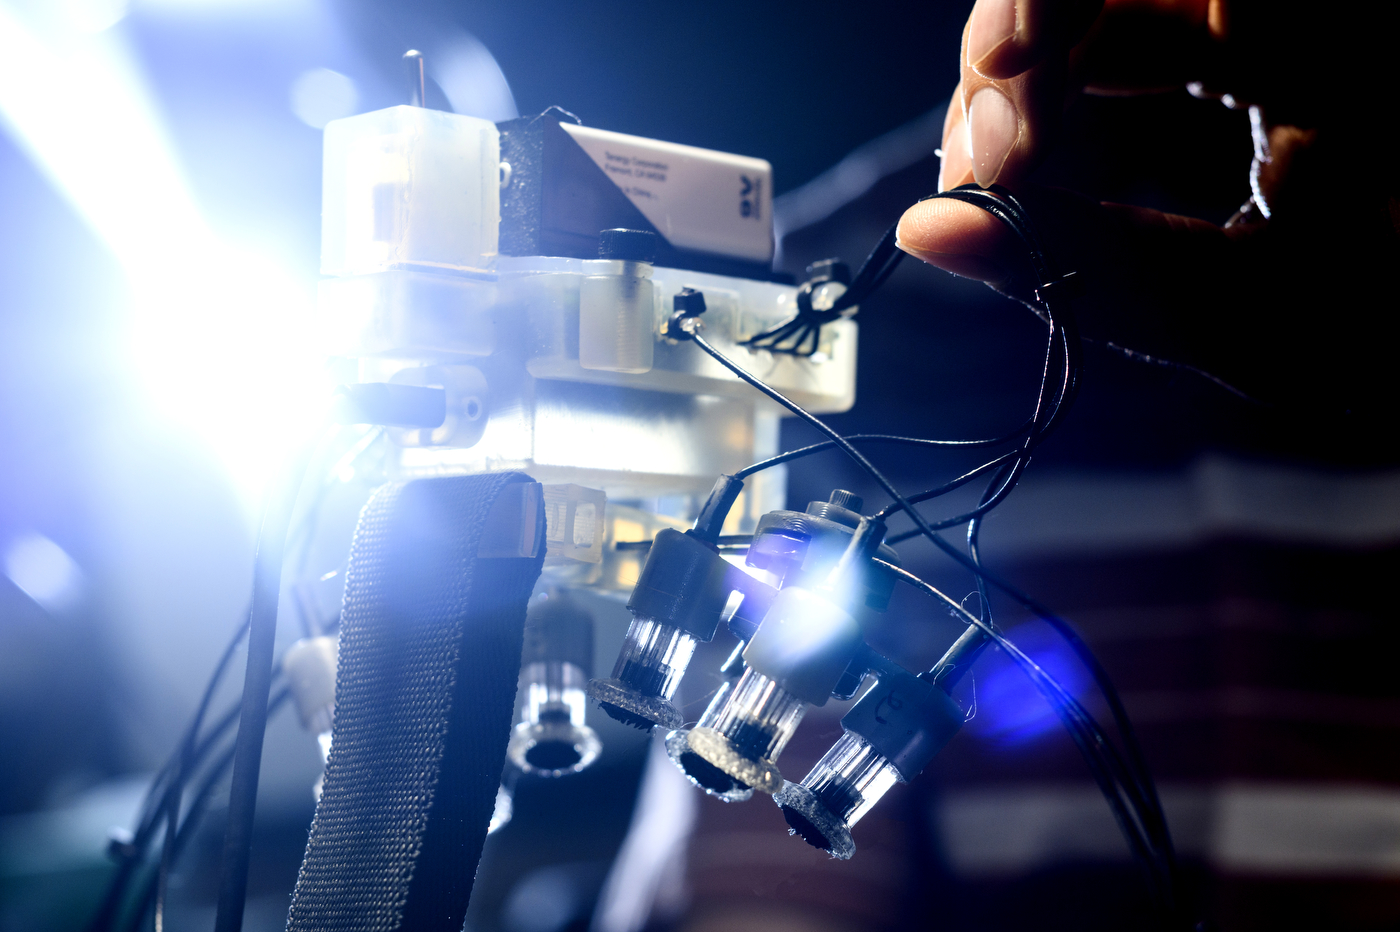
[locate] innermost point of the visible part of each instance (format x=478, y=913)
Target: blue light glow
x=1010, y=710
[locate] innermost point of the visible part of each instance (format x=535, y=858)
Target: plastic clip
x=687, y=304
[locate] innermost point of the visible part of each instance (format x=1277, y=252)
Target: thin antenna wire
x=417, y=83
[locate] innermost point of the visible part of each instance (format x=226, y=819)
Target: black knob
x=628, y=245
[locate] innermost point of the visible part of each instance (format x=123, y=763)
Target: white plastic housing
x=699, y=199
x=417, y=294
x=851, y=778
x=574, y=518
x=410, y=187
x=310, y=668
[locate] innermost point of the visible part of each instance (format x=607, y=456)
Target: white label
x=697, y=198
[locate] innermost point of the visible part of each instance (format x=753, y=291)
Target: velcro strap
x=430, y=642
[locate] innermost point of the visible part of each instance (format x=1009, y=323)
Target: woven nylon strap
x=430, y=644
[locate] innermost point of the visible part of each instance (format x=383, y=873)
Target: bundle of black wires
x=202, y=758
x=1120, y=772
x=182, y=789
x=801, y=336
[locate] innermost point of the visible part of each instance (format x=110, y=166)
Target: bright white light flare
x=220, y=334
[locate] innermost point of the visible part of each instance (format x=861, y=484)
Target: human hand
x=1234, y=300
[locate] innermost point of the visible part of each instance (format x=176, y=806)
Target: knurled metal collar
x=761, y=774
x=651, y=708
x=678, y=746
x=525, y=737
x=817, y=826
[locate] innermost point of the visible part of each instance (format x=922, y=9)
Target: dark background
x=801, y=85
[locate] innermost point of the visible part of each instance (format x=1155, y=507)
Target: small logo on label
x=890, y=702
x=750, y=197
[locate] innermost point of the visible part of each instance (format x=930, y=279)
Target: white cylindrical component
x=409, y=187
x=745, y=735
x=698, y=770
x=554, y=692
x=851, y=778
x=654, y=658
x=759, y=718
x=648, y=670
x=843, y=786
x=551, y=739
x=616, y=317
x=309, y=666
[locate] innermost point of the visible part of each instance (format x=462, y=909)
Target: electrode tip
x=413, y=66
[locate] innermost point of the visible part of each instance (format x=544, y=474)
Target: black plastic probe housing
x=716, y=509
x=802, y=547
x=906, y=719
x=686, y=584
x=558, y=630
x=784, y=649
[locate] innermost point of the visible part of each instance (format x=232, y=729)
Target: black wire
x=257, y=681
x=162, y=791
x=807, y=416
x=1074, y=712
x=1136, y=759
x=806, y=325
x=1051, y=405
x=165, y=786
x=877, y=267
x=1093, y=742
x=974, y=553
x=148, y=822
x=1006, y=459
x=167, y=855
x=186, y=762
x=1099, y=753
x=1146, y=803
x=1147, y=359
x=990, y=201
x=1050, y=408
x=303, y=536
x=1136, y=763
x=825, y=445
x=1051, y=401
x=150, y=897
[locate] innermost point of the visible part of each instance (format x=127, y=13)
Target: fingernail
x=993, y=24
x=992, y=127
x=957, y=159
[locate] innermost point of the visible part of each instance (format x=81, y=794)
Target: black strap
x=430, y=645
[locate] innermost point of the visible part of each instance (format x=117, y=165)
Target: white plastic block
x=574, y=524
x=410, y=187
x=616, y=317
x=698, y=199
